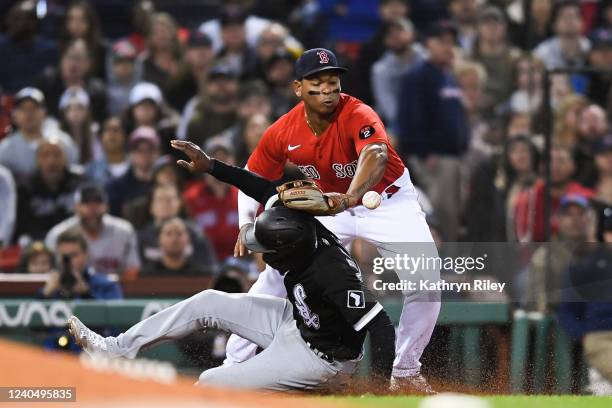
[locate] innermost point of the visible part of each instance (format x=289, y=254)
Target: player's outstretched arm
x=371, y=168
x=248, y=182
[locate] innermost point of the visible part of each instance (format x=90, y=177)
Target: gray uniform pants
x=286, y=363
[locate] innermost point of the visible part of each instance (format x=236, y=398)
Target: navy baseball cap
x=441, y=28
x=316, y=60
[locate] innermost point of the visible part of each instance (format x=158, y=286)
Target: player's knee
x=214, y=377
x=206, y=378
x=209, y=296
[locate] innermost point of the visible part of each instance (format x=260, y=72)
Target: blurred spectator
x=142, y=15
x=213, y=205
x=605, y=15
x=494, y=187
x=163, y=54
x=74, y=71
x=465, y=14
x=123, y=73
x=192, y=73
x=114, y=162
x=47, y=197
x=75, y=278
x=350, y=21
x=521, y=162
x=528, y=85
x=173, y=260
x=592, y=126
x=529, y=28
x=253, y=100
x=279, y=77
x=112, y=241
x=165, y=172
x=602, y=201
x=26, y=54
x=8, y=206
x=81, y=22
x=566, y=119
x=589, y=320
x=546, y=271
x=568, y=48
x=433, y=126
x=253, y=27
x=147, y=108
x=373, y=49
x=37, y=258
x=497, y=56
x=213, y=112
x=18, y=150
x=76, y=120
x=136, y=182
x=402, y=54
x=236, y=52
x=254, y=129
x=560, y=87
x=165, y=204
x=519, y=124
x=433, y=118
x=471, y=78
x=600, y=57
x=529, y=210
x=273, y=38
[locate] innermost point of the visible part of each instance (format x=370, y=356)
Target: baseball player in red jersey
x=341, y=143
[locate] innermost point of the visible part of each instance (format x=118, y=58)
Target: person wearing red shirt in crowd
x=529, y=209
x=341, y=143
x=214, y=206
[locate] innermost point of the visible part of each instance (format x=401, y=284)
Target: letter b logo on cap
x=323, y=57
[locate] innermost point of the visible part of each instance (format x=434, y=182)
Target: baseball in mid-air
x=371, y=199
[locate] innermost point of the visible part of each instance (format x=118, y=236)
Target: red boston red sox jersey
x=330, y=159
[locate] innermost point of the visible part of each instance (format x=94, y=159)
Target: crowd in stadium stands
x=90, y=97
x=458, y=84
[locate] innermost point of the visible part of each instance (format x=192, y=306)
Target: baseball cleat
x=414, y=384
x=90, y=341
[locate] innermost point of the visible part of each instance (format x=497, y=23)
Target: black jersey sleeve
x=340, y=278
x=256, y=187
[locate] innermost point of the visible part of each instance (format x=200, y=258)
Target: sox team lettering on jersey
x=310, y=319
x=330, y=159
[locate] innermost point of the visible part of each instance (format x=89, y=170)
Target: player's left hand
x=200, y=161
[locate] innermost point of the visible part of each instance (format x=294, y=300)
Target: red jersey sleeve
x=268, y=159
x=364, y=127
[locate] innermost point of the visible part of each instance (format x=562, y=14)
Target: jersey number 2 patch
x=355, y=299
x=366, y=132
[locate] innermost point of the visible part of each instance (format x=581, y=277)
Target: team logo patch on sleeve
x=355, y=299
x=366, y=132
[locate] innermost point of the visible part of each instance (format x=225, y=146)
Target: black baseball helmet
x=281, y=230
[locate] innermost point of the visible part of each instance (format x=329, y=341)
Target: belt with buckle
x=320, y=354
